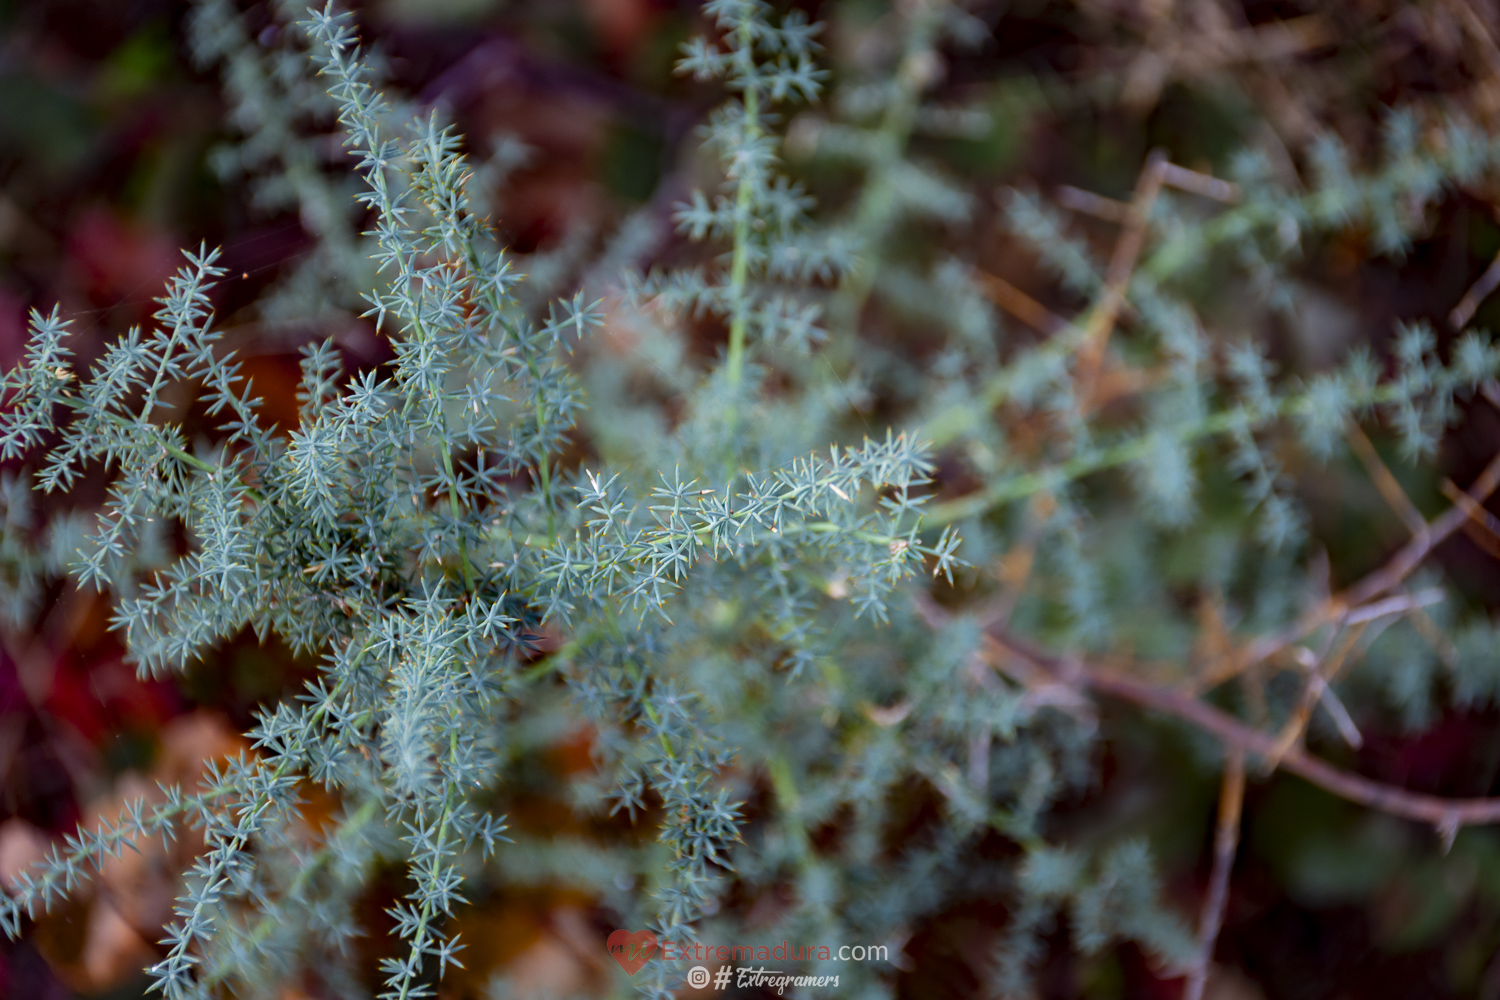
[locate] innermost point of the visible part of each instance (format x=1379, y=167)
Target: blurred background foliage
x=108, y=139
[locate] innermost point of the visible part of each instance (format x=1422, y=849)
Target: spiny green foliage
x=731, y=588
x=385, y=533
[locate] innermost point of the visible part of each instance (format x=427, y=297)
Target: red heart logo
x=632, y=949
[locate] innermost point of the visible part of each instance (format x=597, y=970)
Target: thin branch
x=1033, y=667
x=1341, y=717
x=1446, y=815
x=1477, y=293
x=1483, y=527
x=1396, y=605
x=1101, y=321
x=1436, y=638
x=1196, y=182
x=1172, y=175
x=1482, y=538
x=1226, y=842
x=1088, y=203
x=1020, y=305
x=1123, y=382
x=1320, y=674
x=1017, y=564
x=1384, y=481
x=1480, y=33
x=1387, y=577
x=1172, y=54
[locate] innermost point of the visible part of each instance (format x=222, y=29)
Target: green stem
x=785, y=787
x=463, y=538
x=1054, y=476
x=268, y=923
x=192, y=460
x=427, y=914
x=546, y=472
x=186, y=458
x=878, y=204
x=560, y=656
x=739, y=268
x=544, y=467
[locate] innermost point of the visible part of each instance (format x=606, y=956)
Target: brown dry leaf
x=575, y=753
x=1230, y=984
x=320, y=807
x=494, y=935
x=547, y=968
x=138, y=886
x=622, y=23
x=112, y=949
x=21, y=845
x=565, y=960
x=142, y=883
x=544, y=951
x=620, y=335
x=572, y=927
x=191, y=740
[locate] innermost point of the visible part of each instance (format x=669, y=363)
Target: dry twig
x=1384, y=481
x=1226, y=842
x=1088, y=203
x=1446, y=815
x=1101, y=322
x=1020, y=305
x=1321, y=672
x=1199, y=183
x=1211, y=43
x=1483, y=528
x=1016, y=566
x=1351, y=601
x=1477, y=293
x=1134, y=217
x=1037, y=669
